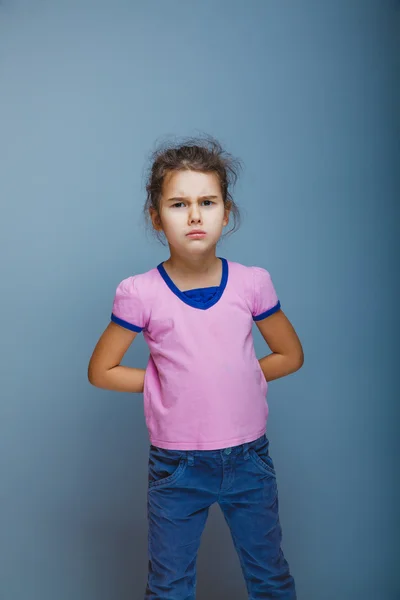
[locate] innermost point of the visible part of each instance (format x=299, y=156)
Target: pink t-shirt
x=204, y=388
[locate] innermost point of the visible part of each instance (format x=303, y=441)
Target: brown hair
x=204, y=154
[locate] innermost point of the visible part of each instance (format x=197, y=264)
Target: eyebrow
x=180, y=198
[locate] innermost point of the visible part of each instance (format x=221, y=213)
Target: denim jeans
x=182, y=486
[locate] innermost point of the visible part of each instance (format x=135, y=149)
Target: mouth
x=196, y=233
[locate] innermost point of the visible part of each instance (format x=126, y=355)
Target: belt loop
x=190, y=457
x=246, y=455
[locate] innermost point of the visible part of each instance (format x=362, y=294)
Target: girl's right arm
x=105, y=371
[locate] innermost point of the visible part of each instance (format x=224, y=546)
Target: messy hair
x=204, y=154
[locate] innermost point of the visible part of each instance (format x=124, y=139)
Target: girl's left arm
x=287, y=353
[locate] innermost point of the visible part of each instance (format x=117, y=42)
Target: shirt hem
x=207, y=445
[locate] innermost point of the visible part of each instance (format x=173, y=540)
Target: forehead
x=187, y=183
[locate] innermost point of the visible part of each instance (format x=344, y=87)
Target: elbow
x=91, y=381
x=94, y=377
x=298, y=361
x=97, y=382
x=91, y=378
x=99, y=377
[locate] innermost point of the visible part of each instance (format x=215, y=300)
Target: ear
x=227, y=212
x=155, y=219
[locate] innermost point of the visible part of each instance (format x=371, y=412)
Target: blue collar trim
x=191, y=301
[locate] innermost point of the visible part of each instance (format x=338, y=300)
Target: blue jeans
x=183, y=484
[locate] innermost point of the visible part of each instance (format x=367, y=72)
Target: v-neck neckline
x=191, y=301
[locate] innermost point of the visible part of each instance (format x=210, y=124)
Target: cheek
x=166, y=218
x=220, y=218
x=173, y=224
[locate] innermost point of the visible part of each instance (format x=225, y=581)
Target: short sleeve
x=127, y=309
x=265, y=299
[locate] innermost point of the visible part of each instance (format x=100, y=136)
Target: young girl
x=204, y=389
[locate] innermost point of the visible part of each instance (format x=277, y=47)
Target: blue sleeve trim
x=125, y=324
x=269, y=312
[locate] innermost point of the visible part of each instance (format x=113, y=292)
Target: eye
x=176, y=205
x=210, y=202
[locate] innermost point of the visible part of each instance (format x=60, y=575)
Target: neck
x=192, y=265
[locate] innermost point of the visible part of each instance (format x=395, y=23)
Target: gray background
x=306, y=93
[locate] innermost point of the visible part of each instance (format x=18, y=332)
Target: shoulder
x=133, y=300
x=138, y=282
x=140, y=289
x=256, y=284
x=249, y=273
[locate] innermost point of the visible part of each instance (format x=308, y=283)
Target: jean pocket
x=259, y=454
x=165, y=466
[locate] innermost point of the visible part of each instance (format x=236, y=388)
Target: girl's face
x=190, y=201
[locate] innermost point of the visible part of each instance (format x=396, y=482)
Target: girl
x=204, y=389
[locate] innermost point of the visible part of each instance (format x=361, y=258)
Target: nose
x=194, y=215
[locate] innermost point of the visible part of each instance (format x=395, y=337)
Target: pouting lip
x=195, y=231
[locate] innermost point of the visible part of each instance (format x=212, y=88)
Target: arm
x=287, y=353
x=105, y=371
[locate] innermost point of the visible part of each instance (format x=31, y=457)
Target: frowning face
x=191, y=201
